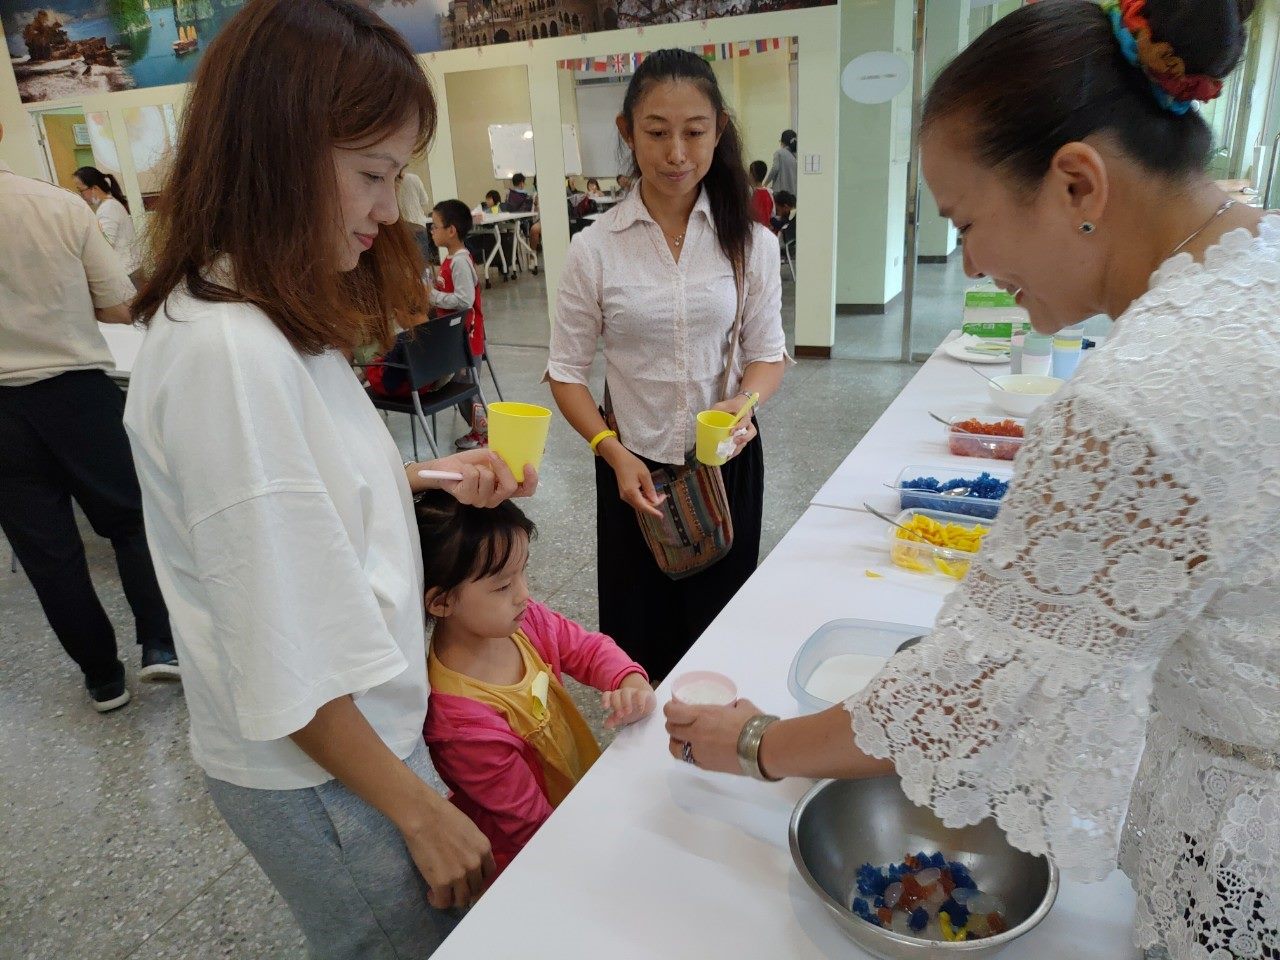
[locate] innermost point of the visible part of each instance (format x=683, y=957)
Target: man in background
x=62, y=435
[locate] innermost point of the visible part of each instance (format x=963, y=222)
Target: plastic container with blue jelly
x=839, y=639
x=968, y=505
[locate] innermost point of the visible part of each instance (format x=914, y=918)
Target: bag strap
x=736, y=335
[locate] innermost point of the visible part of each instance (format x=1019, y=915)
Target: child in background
x=457, y=287
x=503, y=733
x=761, y=198
x=518, y=199
x=783, y=223
x=593, y=188
x=492, y=202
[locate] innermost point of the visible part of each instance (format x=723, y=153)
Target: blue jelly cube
x=919, y=919
x=960, y=874
x=861, y=909
x=958, y=913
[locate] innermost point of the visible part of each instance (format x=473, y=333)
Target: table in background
x=520, y=247
x=649, y=857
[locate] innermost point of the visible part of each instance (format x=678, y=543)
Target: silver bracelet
x=749, y=745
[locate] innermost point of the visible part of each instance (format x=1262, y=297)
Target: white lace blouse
x=1106, y=681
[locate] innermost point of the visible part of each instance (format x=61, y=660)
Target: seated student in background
x=761, y=197
x=783, y=222
x=456, y=287
x=492, y=202
x=593, y=188
x=518, y=199
x=624, y=185
x=503, y=733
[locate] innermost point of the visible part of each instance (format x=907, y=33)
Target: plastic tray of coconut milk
x=841, y=657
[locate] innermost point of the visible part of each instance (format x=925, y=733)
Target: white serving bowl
x=1018, y=394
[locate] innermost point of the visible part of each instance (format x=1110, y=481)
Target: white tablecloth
x=651, y=858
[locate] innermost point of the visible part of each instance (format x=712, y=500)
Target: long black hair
x=726, y=182
x=1053, y=73
x=789, y=140
x=107, y=183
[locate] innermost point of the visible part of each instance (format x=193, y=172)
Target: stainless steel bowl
x=841, y=824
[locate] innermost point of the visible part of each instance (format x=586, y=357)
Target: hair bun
x=1207, y=35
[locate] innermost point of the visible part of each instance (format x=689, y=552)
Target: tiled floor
x=110, y=847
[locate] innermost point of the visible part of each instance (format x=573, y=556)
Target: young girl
x=501, y=728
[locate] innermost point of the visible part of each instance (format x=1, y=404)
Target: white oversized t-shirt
x=281, y=526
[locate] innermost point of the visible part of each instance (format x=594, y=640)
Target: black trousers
x=656, y=619
x=60, y=439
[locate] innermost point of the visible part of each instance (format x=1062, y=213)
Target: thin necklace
x=677, y=239
x=1219, y=212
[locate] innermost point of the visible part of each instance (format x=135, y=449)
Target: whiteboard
x=511, y=146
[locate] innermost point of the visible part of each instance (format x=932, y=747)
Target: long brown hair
x=253, y=181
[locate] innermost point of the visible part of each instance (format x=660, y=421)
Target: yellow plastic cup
x=713, y=429
x=518, y=434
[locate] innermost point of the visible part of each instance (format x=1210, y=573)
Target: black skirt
x=653, y=618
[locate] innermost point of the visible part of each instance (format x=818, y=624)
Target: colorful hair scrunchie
x=1173, y=87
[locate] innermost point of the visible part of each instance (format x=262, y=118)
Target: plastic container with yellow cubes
x=945, y=545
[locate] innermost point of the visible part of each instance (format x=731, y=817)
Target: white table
x=605, y=201
x=905, y=434
x=124, y=341
x=495, y=222
x=649, y=857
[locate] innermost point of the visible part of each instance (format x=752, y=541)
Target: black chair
x=433, y=350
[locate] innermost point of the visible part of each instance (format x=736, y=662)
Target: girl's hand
x=486, y=480
x=635, y=483
x=711, y=732
x=745, y=431
x=633, y=700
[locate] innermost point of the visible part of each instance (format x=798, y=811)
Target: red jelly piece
x=912, y=862
x=948, y=882
x=996, y=923
x=885, y=915
x=912, y=893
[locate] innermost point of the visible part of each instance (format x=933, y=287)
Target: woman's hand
x=452, y=855
x=635, y=482
x=711, y=732
x=486, y=480
x=745, y=431
x=633, y=700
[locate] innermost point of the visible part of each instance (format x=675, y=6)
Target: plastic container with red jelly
x=982, y=435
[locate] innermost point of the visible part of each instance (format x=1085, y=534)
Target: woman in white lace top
x=1106, y=681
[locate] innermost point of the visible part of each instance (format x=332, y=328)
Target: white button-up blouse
x=666, y=325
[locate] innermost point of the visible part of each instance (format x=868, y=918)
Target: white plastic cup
x=702, y=688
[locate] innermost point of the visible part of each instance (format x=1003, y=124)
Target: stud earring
x=1087, y=228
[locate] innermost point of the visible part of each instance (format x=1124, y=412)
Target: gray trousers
x=342, y=867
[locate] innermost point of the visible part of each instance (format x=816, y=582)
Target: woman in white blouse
x=276, y=503
x=102, y=192
x=1106, y=681
x=659, y=277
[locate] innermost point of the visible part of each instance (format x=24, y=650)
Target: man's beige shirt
x=56, y=267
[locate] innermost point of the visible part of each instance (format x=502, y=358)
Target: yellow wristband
x=601, y=437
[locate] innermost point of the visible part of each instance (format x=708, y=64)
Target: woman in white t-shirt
x=102, y=192
x=276, y=502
